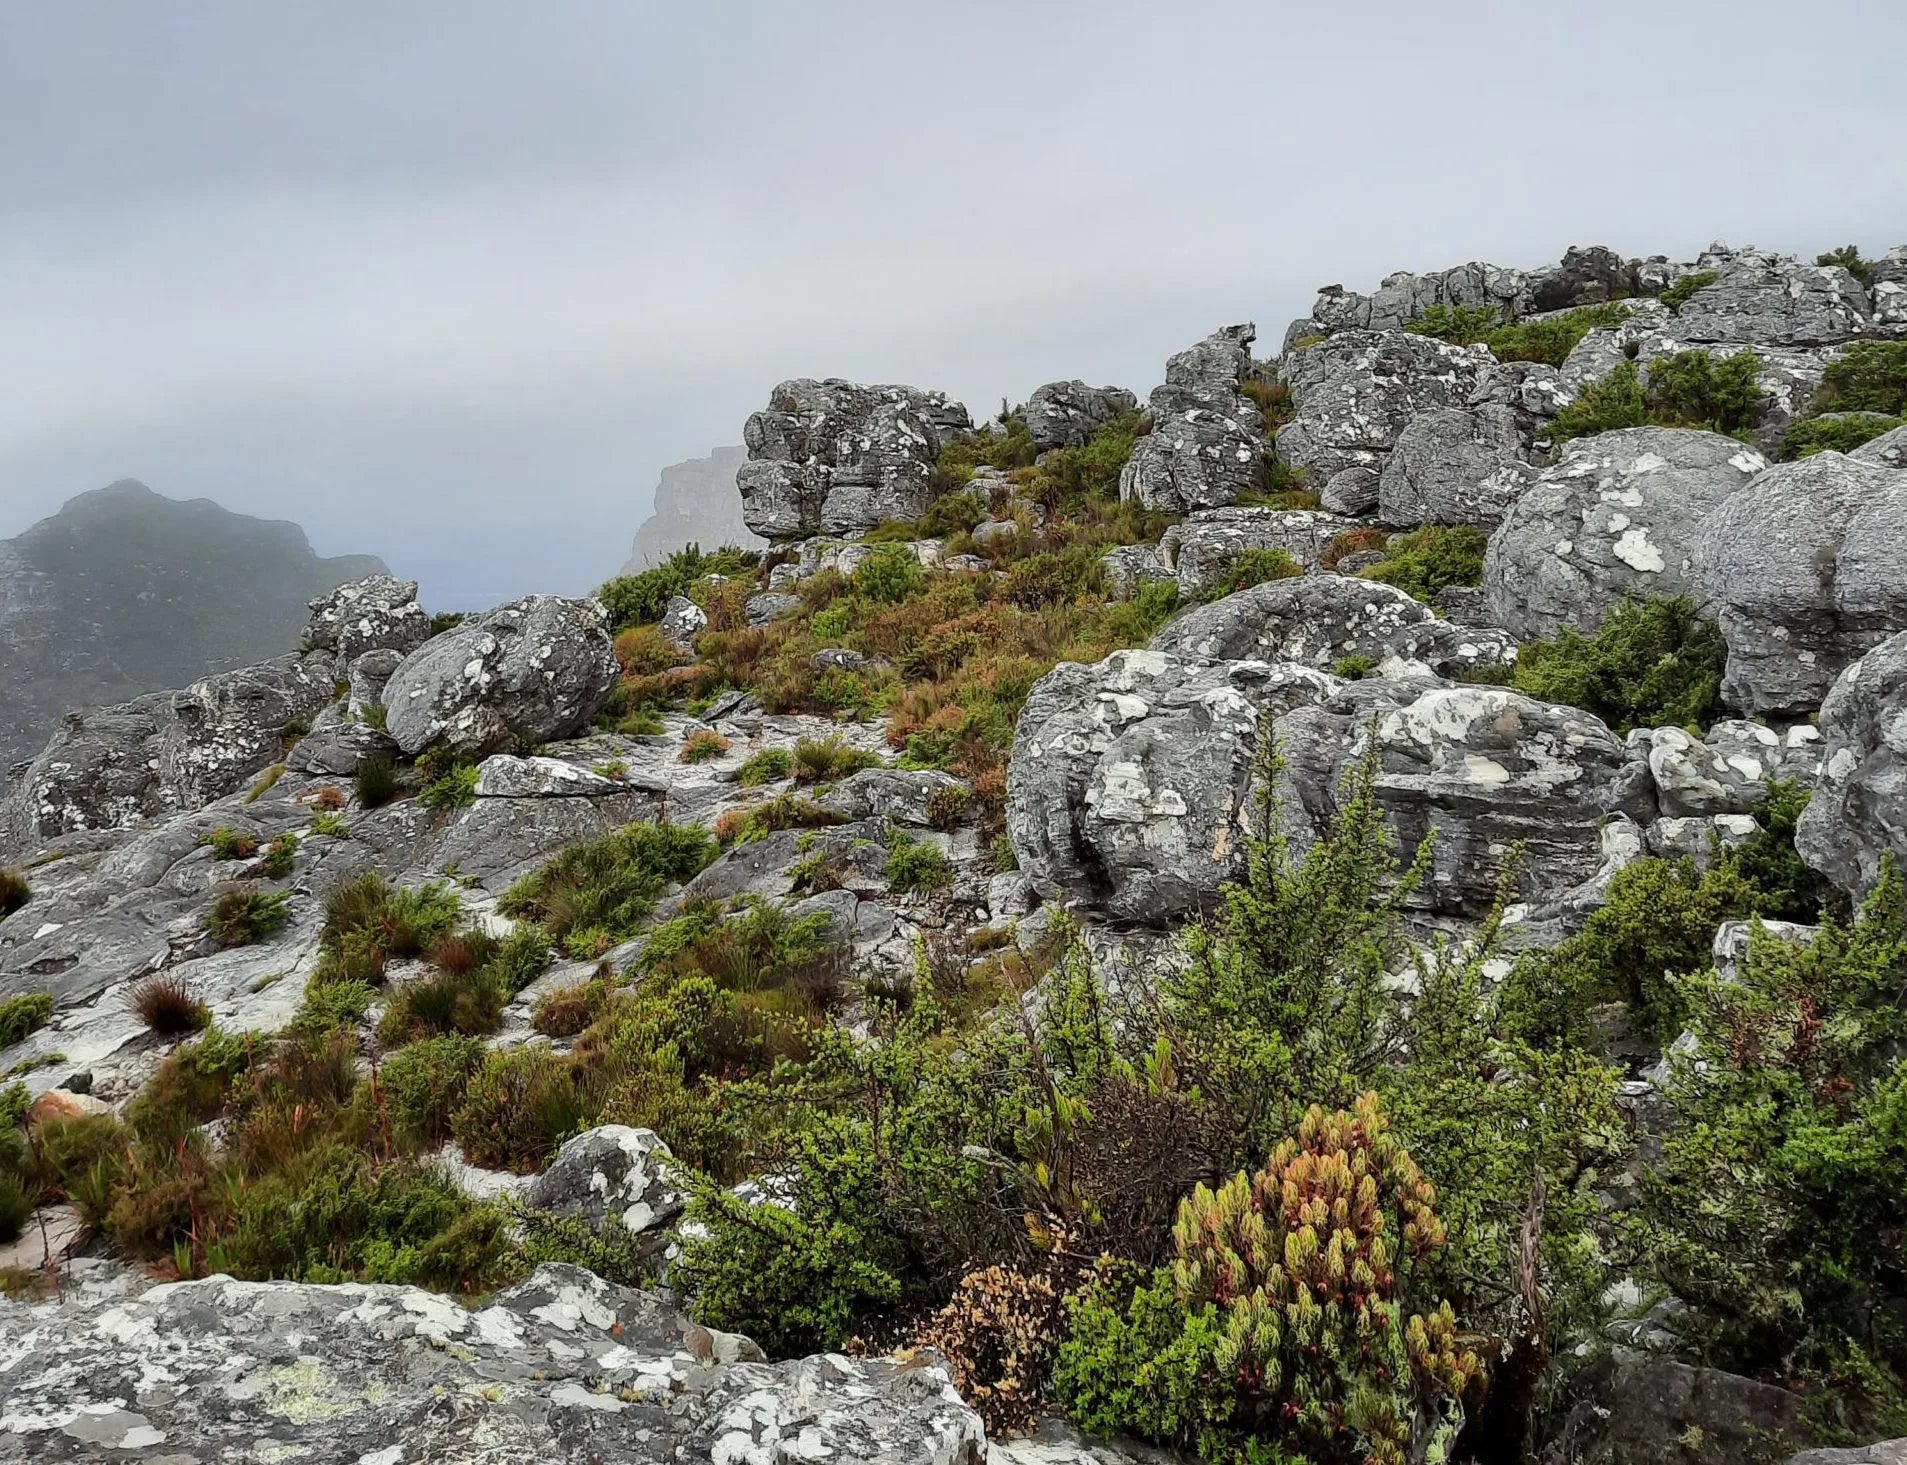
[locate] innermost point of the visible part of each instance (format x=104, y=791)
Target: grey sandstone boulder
x=1882, y=1452
x=1858, y=814
x=611, y=1171
x=1130, y=566
x=1889, y=450
x=1618, y=514
x=531, y=671
x=682, y=621
x=164, y=752
x=1483, y=769
x=369, y=673
x=1206, y=446
x=1126, y=793
x=770, y=605
x=1456, y=465
x=1201, y=550
x=1726, y=771
x=1629, y=1408
x=1320, y=620
x=561, y=1367
x=904, y=795
x=1065, y=414
x=338, y=748
x=1404, y=297
x=1355, y=392
x=1766, y=299
x=505, y=776
x=836, y=457
x=1807, y=570
x=378, y=613
x=844, y=556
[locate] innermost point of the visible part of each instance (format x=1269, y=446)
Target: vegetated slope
x=126, y=591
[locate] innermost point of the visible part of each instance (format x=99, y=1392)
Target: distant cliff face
x=696, y=503
x=124, y=591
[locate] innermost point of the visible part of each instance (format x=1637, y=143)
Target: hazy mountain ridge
x=695, y=503
x=126, y=591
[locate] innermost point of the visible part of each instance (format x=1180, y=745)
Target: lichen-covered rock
x=1617, y=515
x=1127, y=787
x=1404, y=297
x=1726, y=771
x=1630, y=1408
x=1206, y=447
x=1889, y=450
x=682, y=621
x=1882, y=1452
x=164, y=752
x=1129, y=566
x=1065, y=414
x=506, y=776
x=611, y=1171
x=531, y=671
x=1767, y=299
x=1456, y=465
x=1484, y=769
x=1858, y=813
x=1354, y=393
x=339, y=748
x=562, y=1367
x=1201, y=550
x=768, y=606
x=368, y=675
x=904, y=795
x=844, y=556
x=836, y=457
x=1807, y=570
x=1321, y=620
x=378, y=613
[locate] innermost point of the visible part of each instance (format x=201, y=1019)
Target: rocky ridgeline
x=1126, y=803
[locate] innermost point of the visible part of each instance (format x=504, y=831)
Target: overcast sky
x=451, y=282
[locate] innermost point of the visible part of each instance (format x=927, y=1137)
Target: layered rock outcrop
x=1205, y=447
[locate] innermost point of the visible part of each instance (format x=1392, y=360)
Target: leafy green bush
x=424, y=1086
x=230, y=844
x=22, y=1015
x=770, y=765
x=1254, y=567
x=1848, y=257
x=191, y=1086
x=279, y=855
x=916, y=866
x=1689, y=389
x=1617, y=401
x=470, y=1003
x=366, y=922
x=1549, y=339
x=1652, y=663
x=246, y=916
x=1870, y=376
x=818, y=760
x=1775, y=1211
x=1461, y=325
x=329, y=825
x=14, y=892
x=1838, y=434
x=1678, y=294
x=890, y=574
x=703, y=744
x=519, y=1106
x=609, y=884
x=642, y=598
x=332, y=1004
x=376, y=783
x=456, y=788
x=1430, y=559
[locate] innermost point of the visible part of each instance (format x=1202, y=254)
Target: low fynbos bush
x=230, y=844
x=14, y=892
x=166, y=1004
x=455, y=788
x=1870, y=376
x=770, y=765
x=247, y=915
x=22, y=1015
x=890, y=574
x=519, y=1106
x=377, y=783
x=424, y=1086
x=633, y=600
x=786, y=810
x=1678, y=294
x=822, y=760
x=1255, y=567
x=1838, y=434
x=1689, y=389
x=916, y=866
x=1652, y=663
x=703, y=744
x=609, y=884
x=279, y=855
x=1431, y=559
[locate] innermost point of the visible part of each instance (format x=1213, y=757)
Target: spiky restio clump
x=1304, y=1263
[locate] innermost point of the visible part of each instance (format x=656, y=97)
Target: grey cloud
x=450, y=284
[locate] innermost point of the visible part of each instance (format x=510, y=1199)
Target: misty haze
x=968, y=735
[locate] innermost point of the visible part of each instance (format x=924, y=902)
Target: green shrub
x=24, y=1014
x=453, y=789
x=230, y=844
x=1870, y=376
x=14, y=892
x=1678, y=294
x=1551, y=339
x=1838, y=434
x=366, y=922
x=166, y=1005
x=1652, y=663
x=642, y=598
x=1698, y=389
x=614, y=1253
x=331, y=1004
x=787, y=810
x=330, y=825
x=703, y=744
x=609, y=884
x=1255, y=567
x=819, y=760
x=246, y=916
x=1774, y=1212
x=770, y=765
x=190, y=1087
x=1617, y=401
x=1461, y=325
x=518, y=1107
x=1431, y=559
x=467, y=1003
x=377, y=783
x=947, y=806
x=1354, y=668
x=279, y=855
x=890, y=574
x=1848, y=257
x=424, y=1086
x=916, y=866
